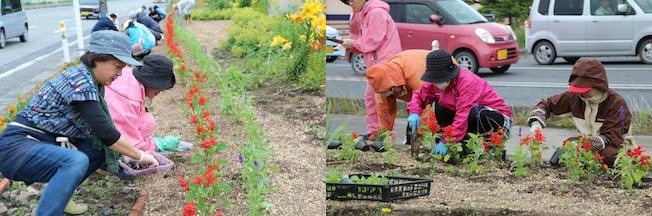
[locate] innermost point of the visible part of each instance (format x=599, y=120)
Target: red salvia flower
x=538, y=136
x=635, y=152
x=207, y=144
x=202, y=100
x=207, y=114
x=586, y=145
x=194, y=119
x=485, y=146
x=525, y=140
x=197, y=75
x=200, y=130
x=598, y=157
x=605, y=167
x=644, y=161
x=354, y=135
x=211, y=125
x=496, y=139
x=218, y=213
x=190, y=209
x=184, y=184
x=433, y=124
x=183, y=67
x=209, y=176
x=448, y=132
x=196, y=180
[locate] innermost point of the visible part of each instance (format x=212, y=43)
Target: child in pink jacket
x=125, y=98
x=463, y=100
x=377, y=41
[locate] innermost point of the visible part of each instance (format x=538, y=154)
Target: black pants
x=156, y=34
x=481, y=120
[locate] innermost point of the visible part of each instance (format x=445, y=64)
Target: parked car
x=475, y=42
x=333, y=50
x=89, y=8
x=574, y=28
x=13, y=22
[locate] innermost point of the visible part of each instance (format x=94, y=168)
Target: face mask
x=442, y=86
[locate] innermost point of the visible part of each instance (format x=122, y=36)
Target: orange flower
x=598, y=157
x=496, y=139
x=605, y=167
x=355, y=135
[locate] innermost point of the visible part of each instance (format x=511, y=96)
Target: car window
x=569, y=7
x=608, y=7
x=395, y=11
x=11, y=6
x=418, y=13
x=460, y=12
x=646, y=5
x=16, y=6
x=543, y=7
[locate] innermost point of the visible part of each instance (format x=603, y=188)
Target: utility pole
x=78, y=26
x=104, y=10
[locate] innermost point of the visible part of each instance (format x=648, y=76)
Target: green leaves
x=520, y=162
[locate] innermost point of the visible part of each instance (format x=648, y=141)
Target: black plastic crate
x=398, y=188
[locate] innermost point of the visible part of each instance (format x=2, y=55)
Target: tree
x=514, y=10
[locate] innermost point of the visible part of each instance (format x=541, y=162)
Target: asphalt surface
x=525, y=83
x=22, y=65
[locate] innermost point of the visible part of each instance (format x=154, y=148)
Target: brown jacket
x=608, y=117
x=404, y=69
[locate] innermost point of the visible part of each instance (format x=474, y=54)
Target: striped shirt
x=50, y=109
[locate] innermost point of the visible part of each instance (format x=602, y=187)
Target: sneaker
x=335, y=144
x=362, y=145
x=75, y=208
x=378, y=145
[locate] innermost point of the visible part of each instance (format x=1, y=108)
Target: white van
x=575, y=28
x=13, y=21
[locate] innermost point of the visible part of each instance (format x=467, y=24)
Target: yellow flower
x=287, y=46
x=320, y=24
x=311, y=9
x=2, y=120
x=11, y=109
x=386, y=210
x=278, y=41
x=295, y=17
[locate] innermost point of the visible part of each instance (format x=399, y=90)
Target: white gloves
x=534, y=126
x=147, y=160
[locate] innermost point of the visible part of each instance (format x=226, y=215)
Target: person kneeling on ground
x=141, y=38
x=65, y=133
x=462, y=100
x=598, y=112
x=396, y=79
x=125, y=98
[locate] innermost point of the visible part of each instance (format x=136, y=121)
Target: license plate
x=502, y=54
x=84, y=13
x=329, y=49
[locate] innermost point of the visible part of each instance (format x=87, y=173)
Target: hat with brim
x=156, y=72
x=580, y=85
x=113, y=43
x=440, y=67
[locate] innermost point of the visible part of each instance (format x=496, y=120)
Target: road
x=22, y=65
x=525, y=83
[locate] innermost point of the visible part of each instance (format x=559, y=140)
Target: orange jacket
x=404, y=69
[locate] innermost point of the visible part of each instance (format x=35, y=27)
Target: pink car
x=459, y=29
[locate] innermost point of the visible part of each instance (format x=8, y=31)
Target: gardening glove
x=597, y=143
x=534, y=126
x=413, y=122
x=167, y=143
x=184, y=146
x=147, y=160
x=440, y=149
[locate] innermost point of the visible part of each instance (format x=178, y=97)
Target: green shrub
x=219, y=4
x=204, y=14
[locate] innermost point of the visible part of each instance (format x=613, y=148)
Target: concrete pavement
x=554, y=136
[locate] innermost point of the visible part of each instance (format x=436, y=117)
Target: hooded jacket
x=104, y=23
x=378, y=40
x=464, y=92
x=404, y=69
x=125, y=98
x=608, y=116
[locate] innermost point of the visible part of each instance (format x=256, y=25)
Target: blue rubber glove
x=440, y=149
x=413, y=122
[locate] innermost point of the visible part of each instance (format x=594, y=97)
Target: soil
x=293, y=121
x=545, y=191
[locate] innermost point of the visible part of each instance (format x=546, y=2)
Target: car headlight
x=484, y=35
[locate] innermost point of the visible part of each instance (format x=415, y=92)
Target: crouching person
x=599, y=113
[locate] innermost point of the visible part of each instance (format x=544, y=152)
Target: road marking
x=29, y=63
x=537, y=68
x=513, y=84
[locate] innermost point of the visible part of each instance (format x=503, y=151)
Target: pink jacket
x=379, y=39
x=125, y=98
x=463, y=93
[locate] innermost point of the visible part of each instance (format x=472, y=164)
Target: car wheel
x=645, y=51
x=3, y=39
x=501, y=69
x=571, y=60
x=25, y=36
x=466, y=59
x=330, y=59
x=357, y=62
x=544, y=53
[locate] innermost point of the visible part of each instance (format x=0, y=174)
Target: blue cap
x=113, y=43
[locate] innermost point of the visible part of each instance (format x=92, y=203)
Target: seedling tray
x=398, y=188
